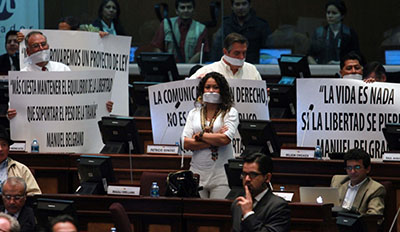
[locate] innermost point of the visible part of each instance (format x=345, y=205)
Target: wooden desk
x=182, y=214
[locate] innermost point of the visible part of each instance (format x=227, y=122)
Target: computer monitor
x=132, y=54
x=95, y=173
x=271, y=55
x=294, y=66
x=139, y=105
x=233, y=170
x=391, y=132
x=158, y=67
x=259, y=136
x=120, y=135
x=46, y=209
x=282, y=100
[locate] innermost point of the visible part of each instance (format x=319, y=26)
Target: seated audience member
x=189, y=34
x=68, y=23
x=8, y=223
x=334, y=40
x=358, y=192
x=63, y=223
x=108, y=20
x=14, y=197
x=209, y=130
x=374, y=71
x=232, y=64
x=350, y=66
x=38, y=51
x=245, y=22
x=10, y=167
x=10, y=60
x=259, y=209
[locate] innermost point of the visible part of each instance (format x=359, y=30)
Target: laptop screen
x=271, y=55
x=132, y=54
x=392, y=57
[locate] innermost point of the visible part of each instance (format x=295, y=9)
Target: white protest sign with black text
x=171, y=102
x=346, y=114
x=60, y=109
x=81, y=50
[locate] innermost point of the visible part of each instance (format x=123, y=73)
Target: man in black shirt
x=10, y=60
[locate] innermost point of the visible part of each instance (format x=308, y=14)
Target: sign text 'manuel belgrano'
x=171, y=102
x=347, y=114
x=60, y=109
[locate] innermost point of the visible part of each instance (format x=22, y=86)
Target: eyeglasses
x=355, y=168
x=252, y=175
x=16, y=197
x=38, y=45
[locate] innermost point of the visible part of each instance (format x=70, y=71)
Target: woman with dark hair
x=108, y=19
x=334, y=40
x=209, y=130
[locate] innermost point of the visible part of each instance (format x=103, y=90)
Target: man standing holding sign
x=38, y=59
x=232, y=64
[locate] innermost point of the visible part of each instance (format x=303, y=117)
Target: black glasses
x=355, y=168
x=16, y=197
x=252, y=175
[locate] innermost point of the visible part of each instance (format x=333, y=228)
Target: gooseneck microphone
x=310, y=108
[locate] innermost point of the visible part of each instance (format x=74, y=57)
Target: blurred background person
x=68, y=23
x=189, y=34
x=374, y=71
x=8, y=223
x=209, y=130
x=108, y=20
x=63, y=223
x=10, y=60
x=245, y=22
x=329, y=43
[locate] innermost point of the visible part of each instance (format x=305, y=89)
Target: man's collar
x=261, y=195
x=182, y=22
x=227, y=65
x=357, y=185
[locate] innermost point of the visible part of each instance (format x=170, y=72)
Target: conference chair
x=148, y=178
x=120, y=218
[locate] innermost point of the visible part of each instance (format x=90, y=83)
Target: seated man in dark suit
x=259, y=209
x=10, y=60
x=14, y=197
x=358, y=192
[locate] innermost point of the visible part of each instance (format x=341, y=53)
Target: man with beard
x=259, y=209
x=245, y=22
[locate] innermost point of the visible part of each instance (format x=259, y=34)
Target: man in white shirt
x=232, y=64
x=38, y=59
x=259, y=209
x=358, y=192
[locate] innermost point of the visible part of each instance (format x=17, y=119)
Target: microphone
x=310, y=108
x=178, y=103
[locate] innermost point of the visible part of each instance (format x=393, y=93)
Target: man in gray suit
x=358, y=192
x=259, y=209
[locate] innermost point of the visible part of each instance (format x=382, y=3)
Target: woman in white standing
x=209, y=130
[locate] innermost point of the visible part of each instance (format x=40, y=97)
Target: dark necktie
x=44, y=68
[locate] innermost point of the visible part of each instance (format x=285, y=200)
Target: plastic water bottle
x=154, y=190
x=35, y=146
x=113, y=229
x=282, y=188
x=318, y=152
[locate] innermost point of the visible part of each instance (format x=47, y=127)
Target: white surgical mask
x=234, y=61
x=38, y=57
x=212, y=97
x=353, y=76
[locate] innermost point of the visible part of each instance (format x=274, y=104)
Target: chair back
x=120, y=218
x=148, y=178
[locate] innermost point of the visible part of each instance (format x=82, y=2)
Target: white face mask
x=234, y=61
x=212, y=98
x=353, y=76
x=38, y=57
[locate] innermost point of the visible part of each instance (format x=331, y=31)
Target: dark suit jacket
x=271, y=213
x=5, y=65
x=26, y=219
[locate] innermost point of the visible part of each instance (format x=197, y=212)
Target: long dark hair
x=103, y=3
x=224, y=91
